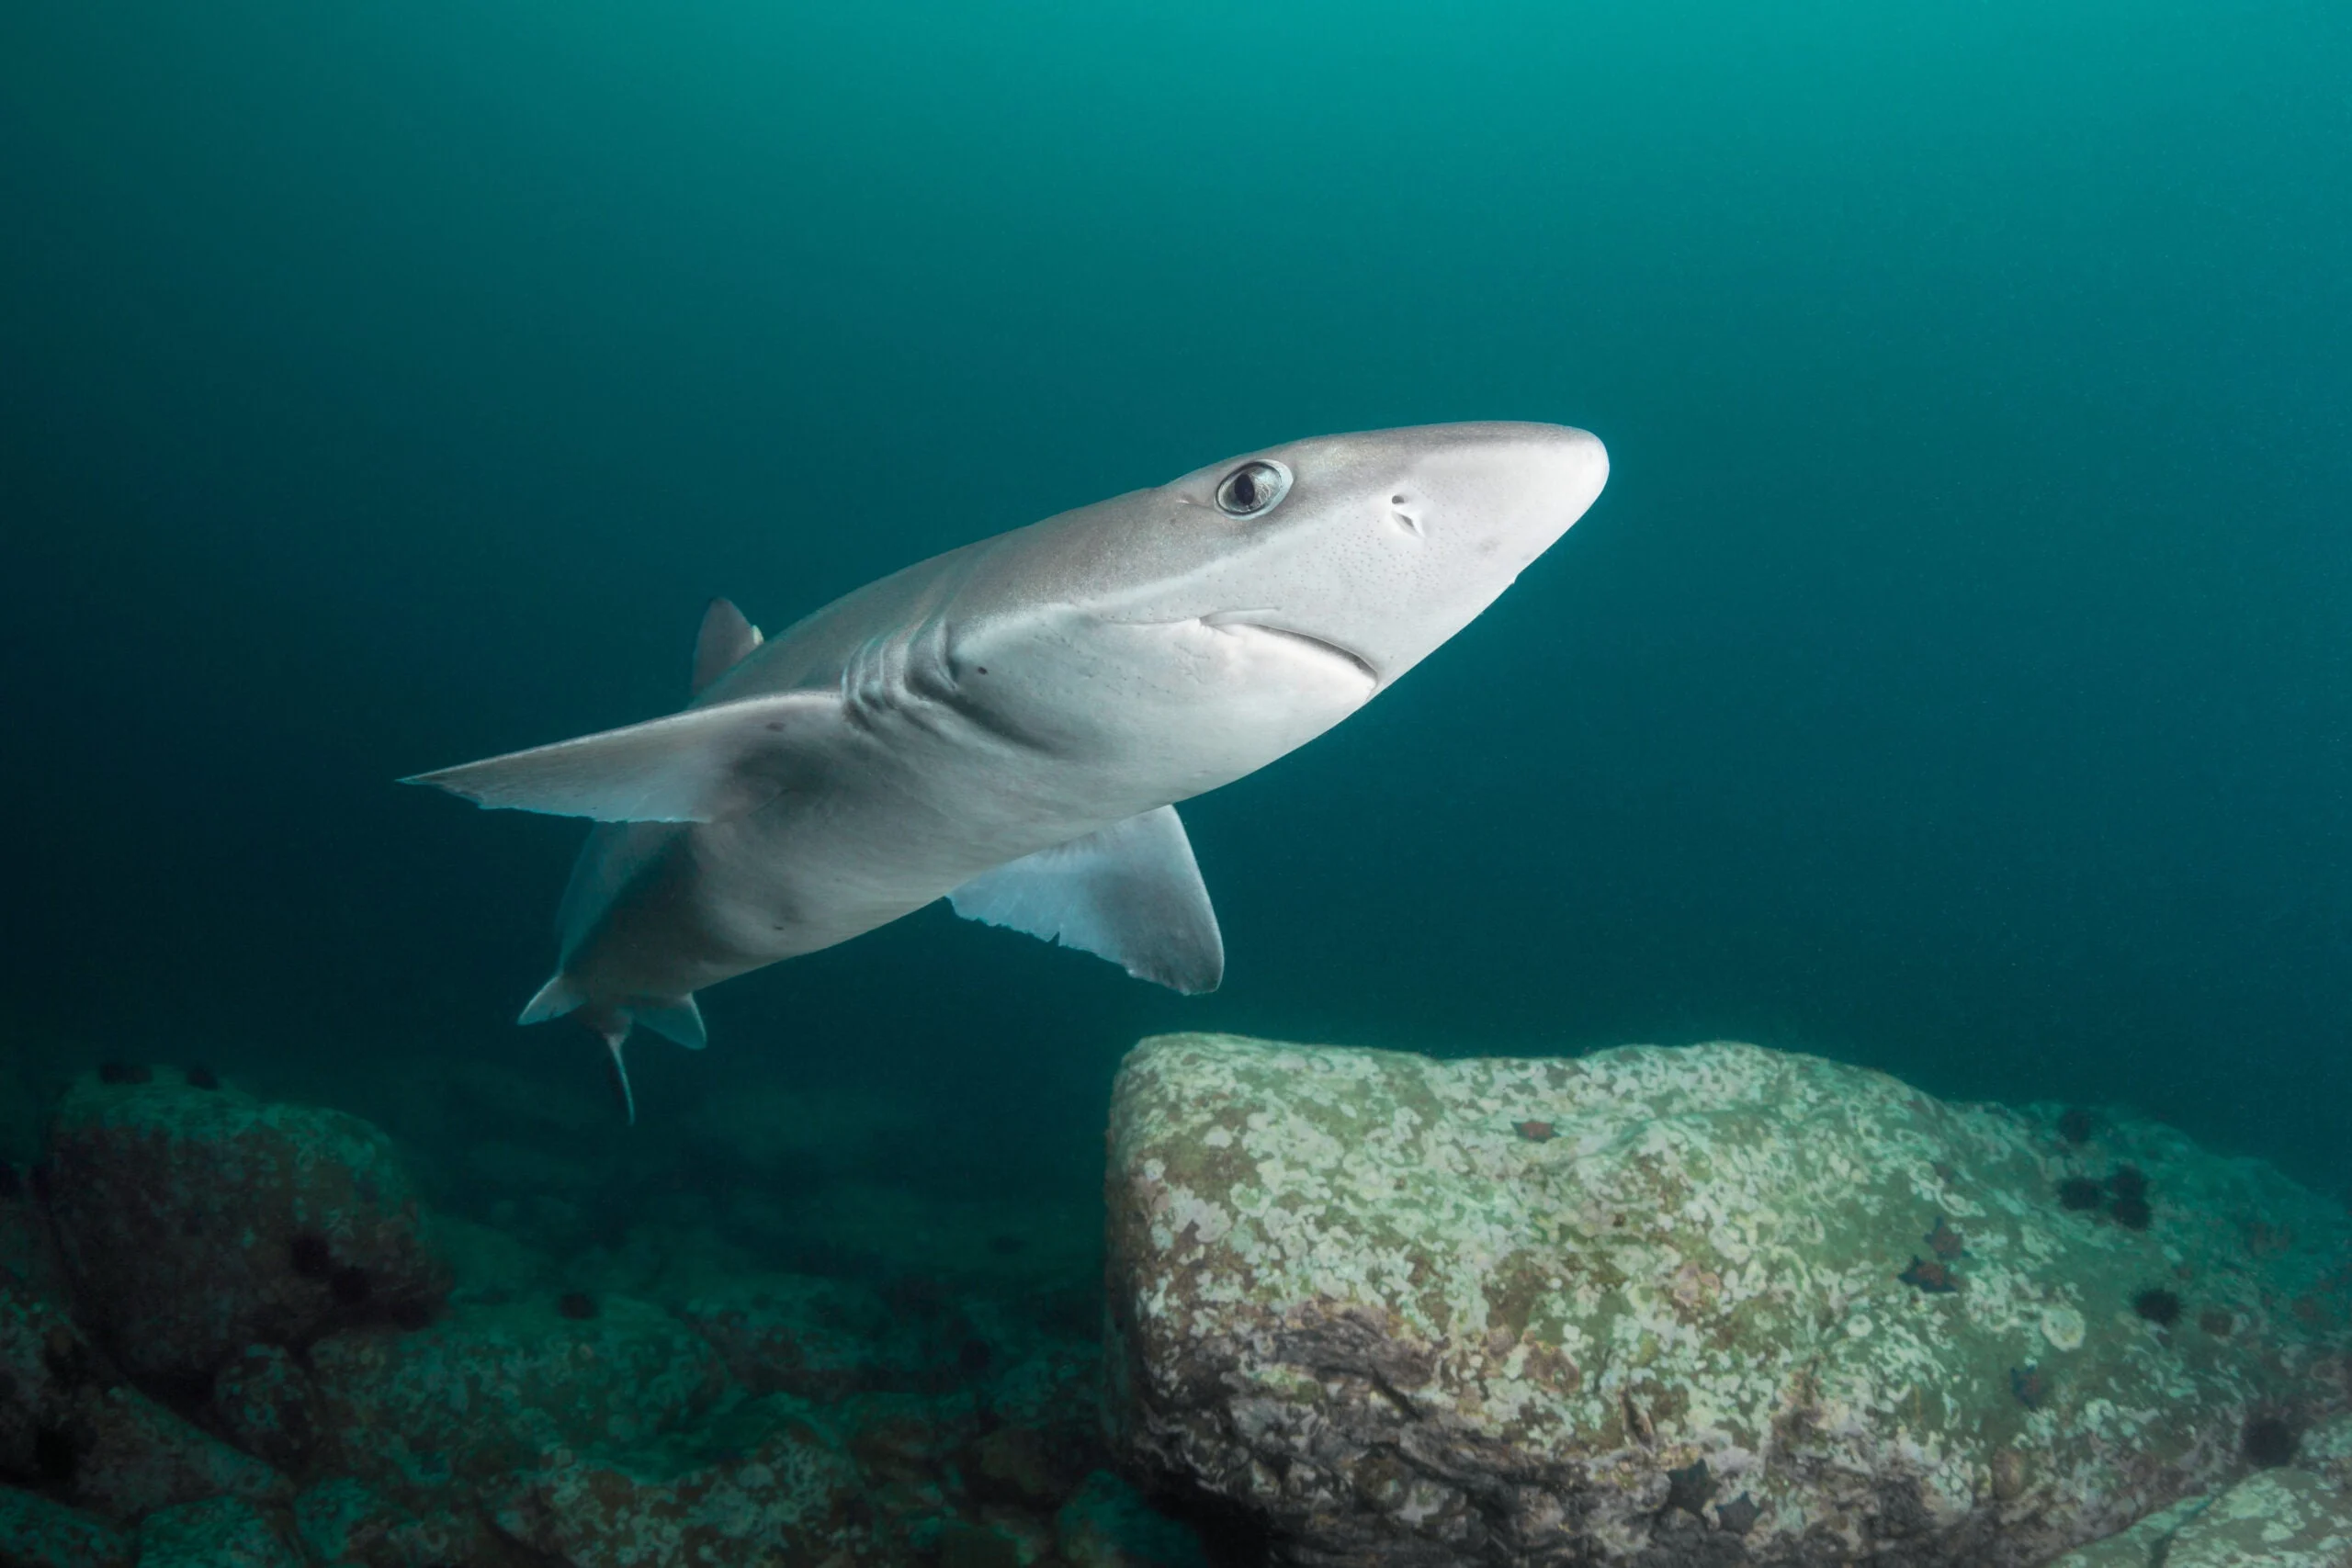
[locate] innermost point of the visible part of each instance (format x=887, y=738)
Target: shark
x=1011, y=725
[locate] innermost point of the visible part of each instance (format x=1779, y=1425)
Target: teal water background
x=1953, y=677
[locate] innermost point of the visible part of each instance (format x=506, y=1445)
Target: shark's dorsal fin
x=701, y=765
x=727, y=638
x=1130, y=893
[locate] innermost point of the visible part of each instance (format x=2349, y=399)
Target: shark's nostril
x=1407, y=522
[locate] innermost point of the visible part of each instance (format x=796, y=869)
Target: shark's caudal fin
x=677, y=1019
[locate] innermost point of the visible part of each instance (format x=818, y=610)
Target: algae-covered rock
x=347, y=1522
x=1706, y=1305
x=803, y=1334
x=765, y=1484
x=265, y=1401
x=197, y=1221
x=130, y=1456
x=2295, y=1514
x=38, y=1533
x=218, y=1532
x=496, y=1388
x=28, y=1262
x=93, y=1441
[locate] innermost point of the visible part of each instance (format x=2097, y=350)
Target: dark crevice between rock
x=1231, y=1535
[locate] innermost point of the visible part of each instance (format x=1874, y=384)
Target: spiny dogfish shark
x=1010, y=724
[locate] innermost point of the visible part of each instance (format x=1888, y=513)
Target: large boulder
x=1691, y=1306
x=198, y=1220
x=93, y=1441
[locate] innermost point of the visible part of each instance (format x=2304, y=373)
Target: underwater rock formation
x=533, y=1383
x=218, y=1532
x=258, y=1357
x=38, y=1533
x=1694, y=1324
x=196, y=1221
x=2297, y=1515
x=93, y=1441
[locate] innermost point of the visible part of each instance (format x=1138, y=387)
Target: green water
x=1952, y=678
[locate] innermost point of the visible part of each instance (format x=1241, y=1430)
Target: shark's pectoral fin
x=1131, y=894
x=727, y=638
x=701, y=765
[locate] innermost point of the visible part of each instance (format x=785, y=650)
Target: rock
x=2141, y=1546
x=2293, y=1517
x=497, y=1388
x=1108, y=1525
x=267, y=1404
x=1730, y=1304
x=1021, y=1465
x=132, y=1456
x=2278, y=1519
x=196, y=1221
x=767, y=1484
x=904, y=1445
x=45, y=1362
x=96, y=1442
x=343, y=1521
x=29, y=1262
x=219, y=1533
x=487, y=1265
x=813, y=1337
x=38, y=1533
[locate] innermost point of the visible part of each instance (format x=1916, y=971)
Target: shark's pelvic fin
x=679, y=1022
x=560, y=995
x=1131, y=892
x=701, y=765
x=727, y=638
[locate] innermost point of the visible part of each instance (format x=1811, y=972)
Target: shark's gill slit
x=1363, y=665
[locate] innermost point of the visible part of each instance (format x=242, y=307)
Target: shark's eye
x=1252, y=487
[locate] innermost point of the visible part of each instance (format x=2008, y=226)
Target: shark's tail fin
x=675, y=1019
x=562, y=998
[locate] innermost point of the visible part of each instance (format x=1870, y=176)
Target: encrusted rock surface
x=218, y=1532
x=1706, y=1305
x=2298, y=1514
x=196, y=1220
x=38, y=1533
x=492, y=1389
x=96, y=1442
x=767, y=1484
x=257, y=1357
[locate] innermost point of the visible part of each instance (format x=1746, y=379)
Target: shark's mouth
x=1256, y=621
